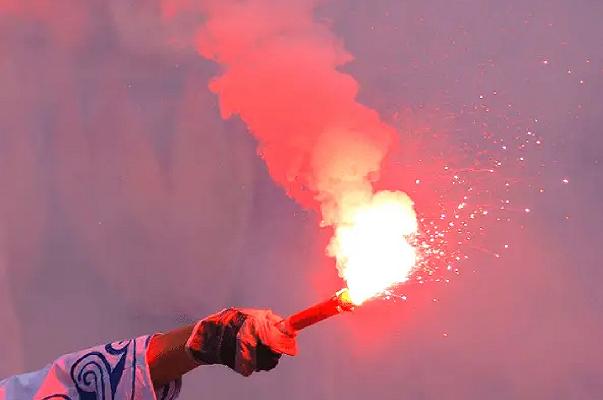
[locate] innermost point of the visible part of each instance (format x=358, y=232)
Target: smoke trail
x=280, y=75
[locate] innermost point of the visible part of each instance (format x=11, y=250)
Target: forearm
x=167, y=357
x=246, y=341
x=243, y=340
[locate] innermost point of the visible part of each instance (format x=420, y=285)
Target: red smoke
x=280, y=75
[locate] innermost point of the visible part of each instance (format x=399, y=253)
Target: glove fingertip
x=290, y=351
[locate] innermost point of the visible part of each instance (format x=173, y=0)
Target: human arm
x=243, y=340
x=167, y=356
x=150, y=367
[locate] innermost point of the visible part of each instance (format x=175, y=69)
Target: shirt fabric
x=116, y=371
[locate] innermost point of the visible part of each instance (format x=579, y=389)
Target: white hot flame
x=372, y=245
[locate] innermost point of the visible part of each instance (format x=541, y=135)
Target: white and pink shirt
x=116, y=371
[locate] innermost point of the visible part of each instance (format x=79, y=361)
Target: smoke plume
x=280, y=75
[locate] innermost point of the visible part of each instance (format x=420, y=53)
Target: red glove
x=244, y=340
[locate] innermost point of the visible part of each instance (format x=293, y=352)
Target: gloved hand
x=244, y=340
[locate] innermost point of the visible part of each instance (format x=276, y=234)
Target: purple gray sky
x=128, y=206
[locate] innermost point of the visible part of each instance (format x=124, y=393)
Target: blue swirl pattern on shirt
x=95, y=377
x=116, y=371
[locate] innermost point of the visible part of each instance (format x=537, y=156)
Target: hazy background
x=128, y=206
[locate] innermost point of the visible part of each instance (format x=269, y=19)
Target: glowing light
x=372, y=245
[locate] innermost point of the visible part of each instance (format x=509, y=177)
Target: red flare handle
x=337, y=304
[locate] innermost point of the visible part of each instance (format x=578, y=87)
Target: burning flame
x=372, y=244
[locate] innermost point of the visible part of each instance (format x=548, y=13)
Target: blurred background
x=128, y=206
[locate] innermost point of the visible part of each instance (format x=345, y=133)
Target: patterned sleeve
x=116, y=371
